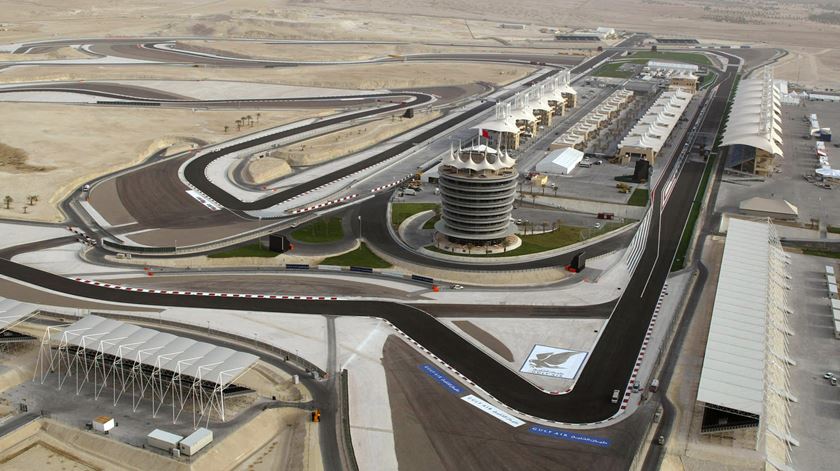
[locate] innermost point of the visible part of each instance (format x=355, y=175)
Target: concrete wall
x=592, y=207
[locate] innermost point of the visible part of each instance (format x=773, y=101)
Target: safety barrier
x=136, y=249
x=345, y=422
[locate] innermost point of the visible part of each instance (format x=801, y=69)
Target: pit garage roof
x=167, y=352
x=733, y=367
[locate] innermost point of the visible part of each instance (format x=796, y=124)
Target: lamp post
x=360, y=228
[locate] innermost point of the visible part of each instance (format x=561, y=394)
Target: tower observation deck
x=478, y=188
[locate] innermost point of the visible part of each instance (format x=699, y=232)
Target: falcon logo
x=551, y=360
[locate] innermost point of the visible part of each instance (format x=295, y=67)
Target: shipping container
x=196, y=441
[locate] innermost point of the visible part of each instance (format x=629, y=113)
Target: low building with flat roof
x=560, y=161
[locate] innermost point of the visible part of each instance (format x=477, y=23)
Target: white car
x=456, y=287
x=597, y=225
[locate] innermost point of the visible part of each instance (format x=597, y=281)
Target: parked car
x=615, y=395
x=456, y=287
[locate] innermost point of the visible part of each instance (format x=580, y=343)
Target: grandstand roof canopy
x=733, y=369
x=13, y=312
x=178, y=355
x=755, y=116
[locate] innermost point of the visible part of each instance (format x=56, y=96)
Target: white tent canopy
x=560, y=161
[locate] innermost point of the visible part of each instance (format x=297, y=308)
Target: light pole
x=360, y=228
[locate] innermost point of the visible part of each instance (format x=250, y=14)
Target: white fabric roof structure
x=13, y=312
x=590, y=122
x=144, y=363
x=653, y=129
x=523, y=108
x=167, y=352
x=745, y=364
x=560, y=161
x=755, y=116
x=522, y=105
x=663, y=66
x=478, y=158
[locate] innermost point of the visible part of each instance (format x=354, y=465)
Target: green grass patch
x=624, y=179
x=361, y=257
x=687, y=57
x=250, y=250
x=833, y=229
x=560, y=237
x=694, y=213
x=321, y=231
x=610, y=69
x=708, y=80
x=430, y=224
x=821, y=253
x=639, y=197
x=402, y=211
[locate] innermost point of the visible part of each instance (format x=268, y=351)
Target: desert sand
x=331, y=146
x=82, y=142
x=362, y=76
x=443, y=21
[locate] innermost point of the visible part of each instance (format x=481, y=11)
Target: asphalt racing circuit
x=610, y=364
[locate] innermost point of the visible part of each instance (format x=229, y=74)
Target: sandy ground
x=330, y=146
x=61, y=53
x=351, y=52
x=362, y=76
x=763, y=22
x=79, y=143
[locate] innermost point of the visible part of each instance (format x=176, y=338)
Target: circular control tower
x=478, y=188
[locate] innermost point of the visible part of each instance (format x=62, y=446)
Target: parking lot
x=789, y=183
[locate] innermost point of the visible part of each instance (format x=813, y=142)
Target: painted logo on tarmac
x=569, y=436
x=552, y=361
x=441, y=378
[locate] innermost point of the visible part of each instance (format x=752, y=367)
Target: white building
x=162, y=439
x=650, y=133
x=560, y=161
x=195, y=441
x=744, y=385
x=753, y=134
x=671, y=67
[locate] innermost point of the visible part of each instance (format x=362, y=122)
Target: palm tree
x=238, y=124
x=226, y=128
x=544, y=226
x=258, y=117
x=250, y=120
x=8, y=200
x=32, y=199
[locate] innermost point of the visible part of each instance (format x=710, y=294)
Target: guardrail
x=352, y=464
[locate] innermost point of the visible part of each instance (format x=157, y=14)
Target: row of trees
x=8, y=200
x=245, y=121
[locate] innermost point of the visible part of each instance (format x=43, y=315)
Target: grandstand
x=156, y=366
x=753, y=134
x=646, y=138
x=744, y=388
